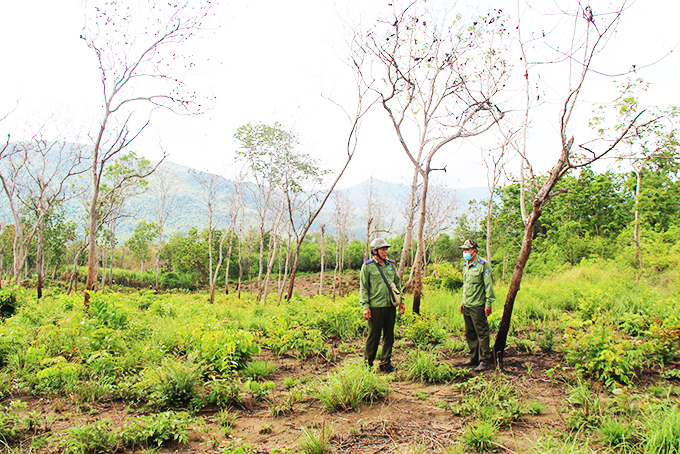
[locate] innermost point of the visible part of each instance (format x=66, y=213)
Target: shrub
x=223, y=349
x=349, y=387
x=173, y=384
x=445, y=276
x=423, y=330
x=8, y=301
x=662, y=341
x=92, y=438
x=156, y=429
x=224, y=392
x=599, y=351
x=58, y=376
x=299, y=341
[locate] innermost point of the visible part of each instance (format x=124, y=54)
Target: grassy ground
x=591, y=367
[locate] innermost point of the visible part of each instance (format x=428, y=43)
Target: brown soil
x=413, y=415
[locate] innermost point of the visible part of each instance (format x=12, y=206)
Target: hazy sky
x=273, y=60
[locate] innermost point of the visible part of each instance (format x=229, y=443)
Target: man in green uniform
x=376, y=301
x=478, y=297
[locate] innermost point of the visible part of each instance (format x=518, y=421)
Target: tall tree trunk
x=323, y=257
x=636, y=227
x=420, y=251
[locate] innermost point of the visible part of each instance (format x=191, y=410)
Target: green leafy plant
x=599, y=351
x=173, y=384
x=224, y=392
x=92, y=438
x=350, y=386
x=662, y=341
x=445, y=276
x=259, y=369
x=299, y=341
x=156, y=429
x=423, y=330
x=428, y=367
x=259, y=390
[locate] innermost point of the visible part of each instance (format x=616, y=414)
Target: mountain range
x=190, y=210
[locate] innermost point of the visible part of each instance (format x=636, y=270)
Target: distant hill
x=190, y=208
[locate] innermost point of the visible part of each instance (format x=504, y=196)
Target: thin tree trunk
x=408, y=235
x=323, y=257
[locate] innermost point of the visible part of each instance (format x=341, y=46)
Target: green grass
x=349, y=386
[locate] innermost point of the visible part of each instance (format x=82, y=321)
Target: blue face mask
x=467, y=256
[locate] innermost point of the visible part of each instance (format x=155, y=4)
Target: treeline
x=593, y=216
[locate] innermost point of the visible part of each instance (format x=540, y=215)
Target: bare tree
x=354, y=115
x=213, y=191
x=590, y=33
x=342, y=216
x=438, y=76
x=495, y=166
x=13, y=161
x=163, y=186
x=138, y=54
x=378, y=221
x=50, y=167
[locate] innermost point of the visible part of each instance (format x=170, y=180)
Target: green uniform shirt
x=372, y=289
x=477, y=284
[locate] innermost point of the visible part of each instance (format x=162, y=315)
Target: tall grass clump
x=663, y=432
x=494, y=399
x=481, y=436
x=316, y=441
x=428, y=367
x=350, y=386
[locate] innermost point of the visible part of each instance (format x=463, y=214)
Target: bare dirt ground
x=412, y=416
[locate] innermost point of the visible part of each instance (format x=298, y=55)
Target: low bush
x=599, y=351
x=156, y=429
x=91, y=438
x=173, y=384
x=423, y=330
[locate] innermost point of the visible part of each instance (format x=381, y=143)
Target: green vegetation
x=171, y=357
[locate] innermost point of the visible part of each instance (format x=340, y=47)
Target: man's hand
x=367, y=314
x=487, y=311
x=402, y=309
x=461, y=308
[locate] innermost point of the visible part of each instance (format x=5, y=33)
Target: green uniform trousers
x=477, y=333
x=381, y=323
